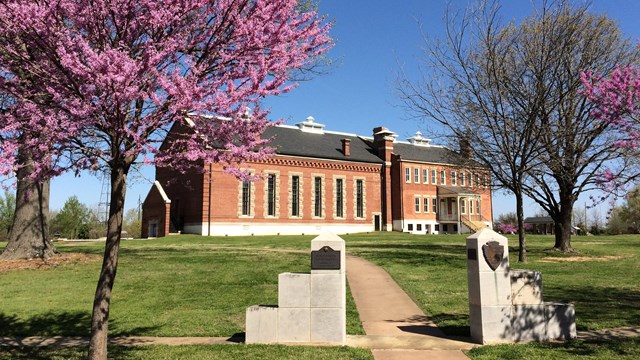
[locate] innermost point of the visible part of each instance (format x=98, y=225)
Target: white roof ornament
x=418, y=140
x=310, y=126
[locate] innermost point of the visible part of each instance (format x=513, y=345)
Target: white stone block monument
x=489, y=287
x=507, y=305
x=311, y=306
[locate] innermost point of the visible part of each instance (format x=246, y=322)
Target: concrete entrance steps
x=396, y=327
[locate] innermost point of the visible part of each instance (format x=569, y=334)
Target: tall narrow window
x=425, y=176
x=453, y=178
x=477, y=182
x=463, y=206
x=359, y=199
x=443, y=177
x=246, y=198
x=478, y=207
x=339, y=198
x=470, y=207
x=295, y=195
x=425, y=203
x=416, y=175
x=434, y=205
x=407, y=174
x=271, y=195
x=317, y=194
x=417, y=201
x=433, y=177
x=462, y=178
x=485, y=182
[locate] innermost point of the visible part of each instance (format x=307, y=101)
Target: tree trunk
x=522, y=241
x=102, y=299
x=563, y=226
x=29, y=235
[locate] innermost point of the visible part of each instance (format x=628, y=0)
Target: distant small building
x=545, y=225
x=540, y=225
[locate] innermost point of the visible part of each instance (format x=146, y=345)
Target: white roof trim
x=162, y=193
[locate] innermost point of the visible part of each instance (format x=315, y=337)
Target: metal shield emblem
x=493, y=253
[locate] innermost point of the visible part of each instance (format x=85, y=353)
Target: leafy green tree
x=73, y=220
x=626, y=218
x=616, y=224
x=132, y=223
x=7, y=210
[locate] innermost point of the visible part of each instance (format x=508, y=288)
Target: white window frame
x=407, y=174
x=453, y=178
x=443, y=177
x=434, y=176
x=425, y=204
x=416, y=175
x=462, y=178
x=425, y=175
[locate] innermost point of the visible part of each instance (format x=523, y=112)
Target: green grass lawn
x=199, y=286
x=176, y=286
x=192, y=352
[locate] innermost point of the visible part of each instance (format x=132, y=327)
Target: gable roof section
x=291, y=141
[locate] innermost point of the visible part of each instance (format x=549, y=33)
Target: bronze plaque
x=493, y=253
x=325, y=259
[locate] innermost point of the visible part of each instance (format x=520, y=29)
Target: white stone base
x=293, y=325
x=276, y=228
x=328, y=325
x=561, y=321
x=490, y=324
x=261, y=324
x=529, y=323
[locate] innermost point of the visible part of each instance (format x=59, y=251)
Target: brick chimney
x=346, y=147
x=465, y=148
x=383, y=142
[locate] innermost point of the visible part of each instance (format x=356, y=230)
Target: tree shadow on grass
x=61, y=323
x=51, y=353
x=418, y=254
x=599, y=304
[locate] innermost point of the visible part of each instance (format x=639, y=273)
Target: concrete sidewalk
x=396, y=328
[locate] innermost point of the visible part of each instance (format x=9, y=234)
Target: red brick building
x=325, y=181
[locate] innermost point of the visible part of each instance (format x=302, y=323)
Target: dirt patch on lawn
x=61, y=259
x=579, y=259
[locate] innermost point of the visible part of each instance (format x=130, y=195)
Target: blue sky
x=374, y=39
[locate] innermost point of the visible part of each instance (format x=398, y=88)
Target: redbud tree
x=617, y=99
x=96, y=85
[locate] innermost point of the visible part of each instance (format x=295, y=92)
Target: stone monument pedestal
x=507, y=305
x=311, y=306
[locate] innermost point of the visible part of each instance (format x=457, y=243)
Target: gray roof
x=289, y=140
x=430, y=154
x=538, y=220
x=292, y=141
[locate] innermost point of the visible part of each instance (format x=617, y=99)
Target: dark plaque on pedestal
x=325, y=259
